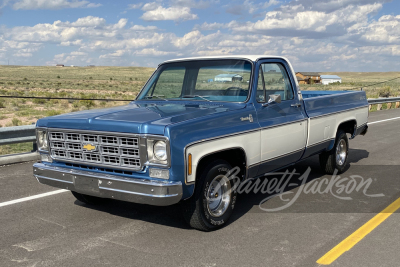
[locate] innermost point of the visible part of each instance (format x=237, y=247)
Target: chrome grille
x=95, y=148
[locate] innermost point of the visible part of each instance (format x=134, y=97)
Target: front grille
x=98, y=149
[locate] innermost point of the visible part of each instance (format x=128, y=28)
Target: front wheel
x=337, y=157
x=214, y=198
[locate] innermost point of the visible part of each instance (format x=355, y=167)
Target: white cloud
x=150, y=6
x=152, y=52
x=210, y=26
x=250, y=7
x=309, y=22
x=335, y=37
x=170, y=13
x=191, y=3
x=271, y=3
x=52, y=4
x=143, y=28
x=135, y=6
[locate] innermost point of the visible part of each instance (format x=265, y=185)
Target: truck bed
x=319, y=103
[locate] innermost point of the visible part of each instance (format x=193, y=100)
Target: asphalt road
x=58, y=230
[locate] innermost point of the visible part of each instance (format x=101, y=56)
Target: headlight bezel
x=42, y=143
x=152, y=160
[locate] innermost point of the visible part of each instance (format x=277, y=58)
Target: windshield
x=204, y=80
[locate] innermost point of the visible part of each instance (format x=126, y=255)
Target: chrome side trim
x=152, y=192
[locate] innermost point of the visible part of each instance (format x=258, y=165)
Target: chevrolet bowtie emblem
x=89, y=147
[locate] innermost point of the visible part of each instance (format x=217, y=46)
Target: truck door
x=283, y=124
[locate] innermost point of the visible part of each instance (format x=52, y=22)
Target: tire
x=211, y=215
x=91, y=200
x=336, y=159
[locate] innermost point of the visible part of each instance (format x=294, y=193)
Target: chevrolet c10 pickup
x=193, y=121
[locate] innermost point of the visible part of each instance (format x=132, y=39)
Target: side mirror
x=273, y=99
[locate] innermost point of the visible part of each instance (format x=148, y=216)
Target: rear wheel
x=214, y=198
x=337, y=157
x=91, y=200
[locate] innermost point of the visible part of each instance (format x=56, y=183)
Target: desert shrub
x=58, y=77
x=111, y=79
x=65, y=104
x=90, y=78
x=39, y=101
x=130, y=79
x=2, y=105
x=25, y=79
x=75, y=104
x=87, y=103
x=16, y=122
x=385, y=91
x=53, y=112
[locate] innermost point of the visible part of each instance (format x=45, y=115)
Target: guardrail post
x=397, y=104
x=34, y=147
x=389, y=105
x=379, y=107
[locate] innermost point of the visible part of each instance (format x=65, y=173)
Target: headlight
x=42, y=140
x=160, y=150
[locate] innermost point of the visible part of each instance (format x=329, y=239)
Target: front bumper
x=152, y=192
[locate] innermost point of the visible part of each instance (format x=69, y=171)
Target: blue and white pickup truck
x=194, y=121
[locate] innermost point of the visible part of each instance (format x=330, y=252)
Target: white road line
x=15, y=201
x=369, y=123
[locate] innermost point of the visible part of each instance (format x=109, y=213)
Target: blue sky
x=324, y=35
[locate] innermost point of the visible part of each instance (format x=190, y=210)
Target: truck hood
x=138, y=117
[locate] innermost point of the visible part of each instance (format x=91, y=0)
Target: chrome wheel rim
x=218, y=196
x=341, y=152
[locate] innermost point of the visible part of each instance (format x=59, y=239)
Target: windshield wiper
x=199, y=96
x=158, y=96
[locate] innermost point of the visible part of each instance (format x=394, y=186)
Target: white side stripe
x=383, y=120
x=32, y=197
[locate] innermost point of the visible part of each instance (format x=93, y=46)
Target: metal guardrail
x=21, y=134
x=383, y=100
x=17, y=134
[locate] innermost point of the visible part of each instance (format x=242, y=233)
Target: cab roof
x=253, y=58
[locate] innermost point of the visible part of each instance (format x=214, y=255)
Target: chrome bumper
x=157, y=193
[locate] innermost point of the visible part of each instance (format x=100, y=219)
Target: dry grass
x=75, y=82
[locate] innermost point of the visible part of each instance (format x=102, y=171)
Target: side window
x=169, y=83
x=276, y=81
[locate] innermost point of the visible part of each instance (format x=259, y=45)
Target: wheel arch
x=348, y=126
x=235, y=156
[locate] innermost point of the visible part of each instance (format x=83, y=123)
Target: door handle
x=296, y=105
